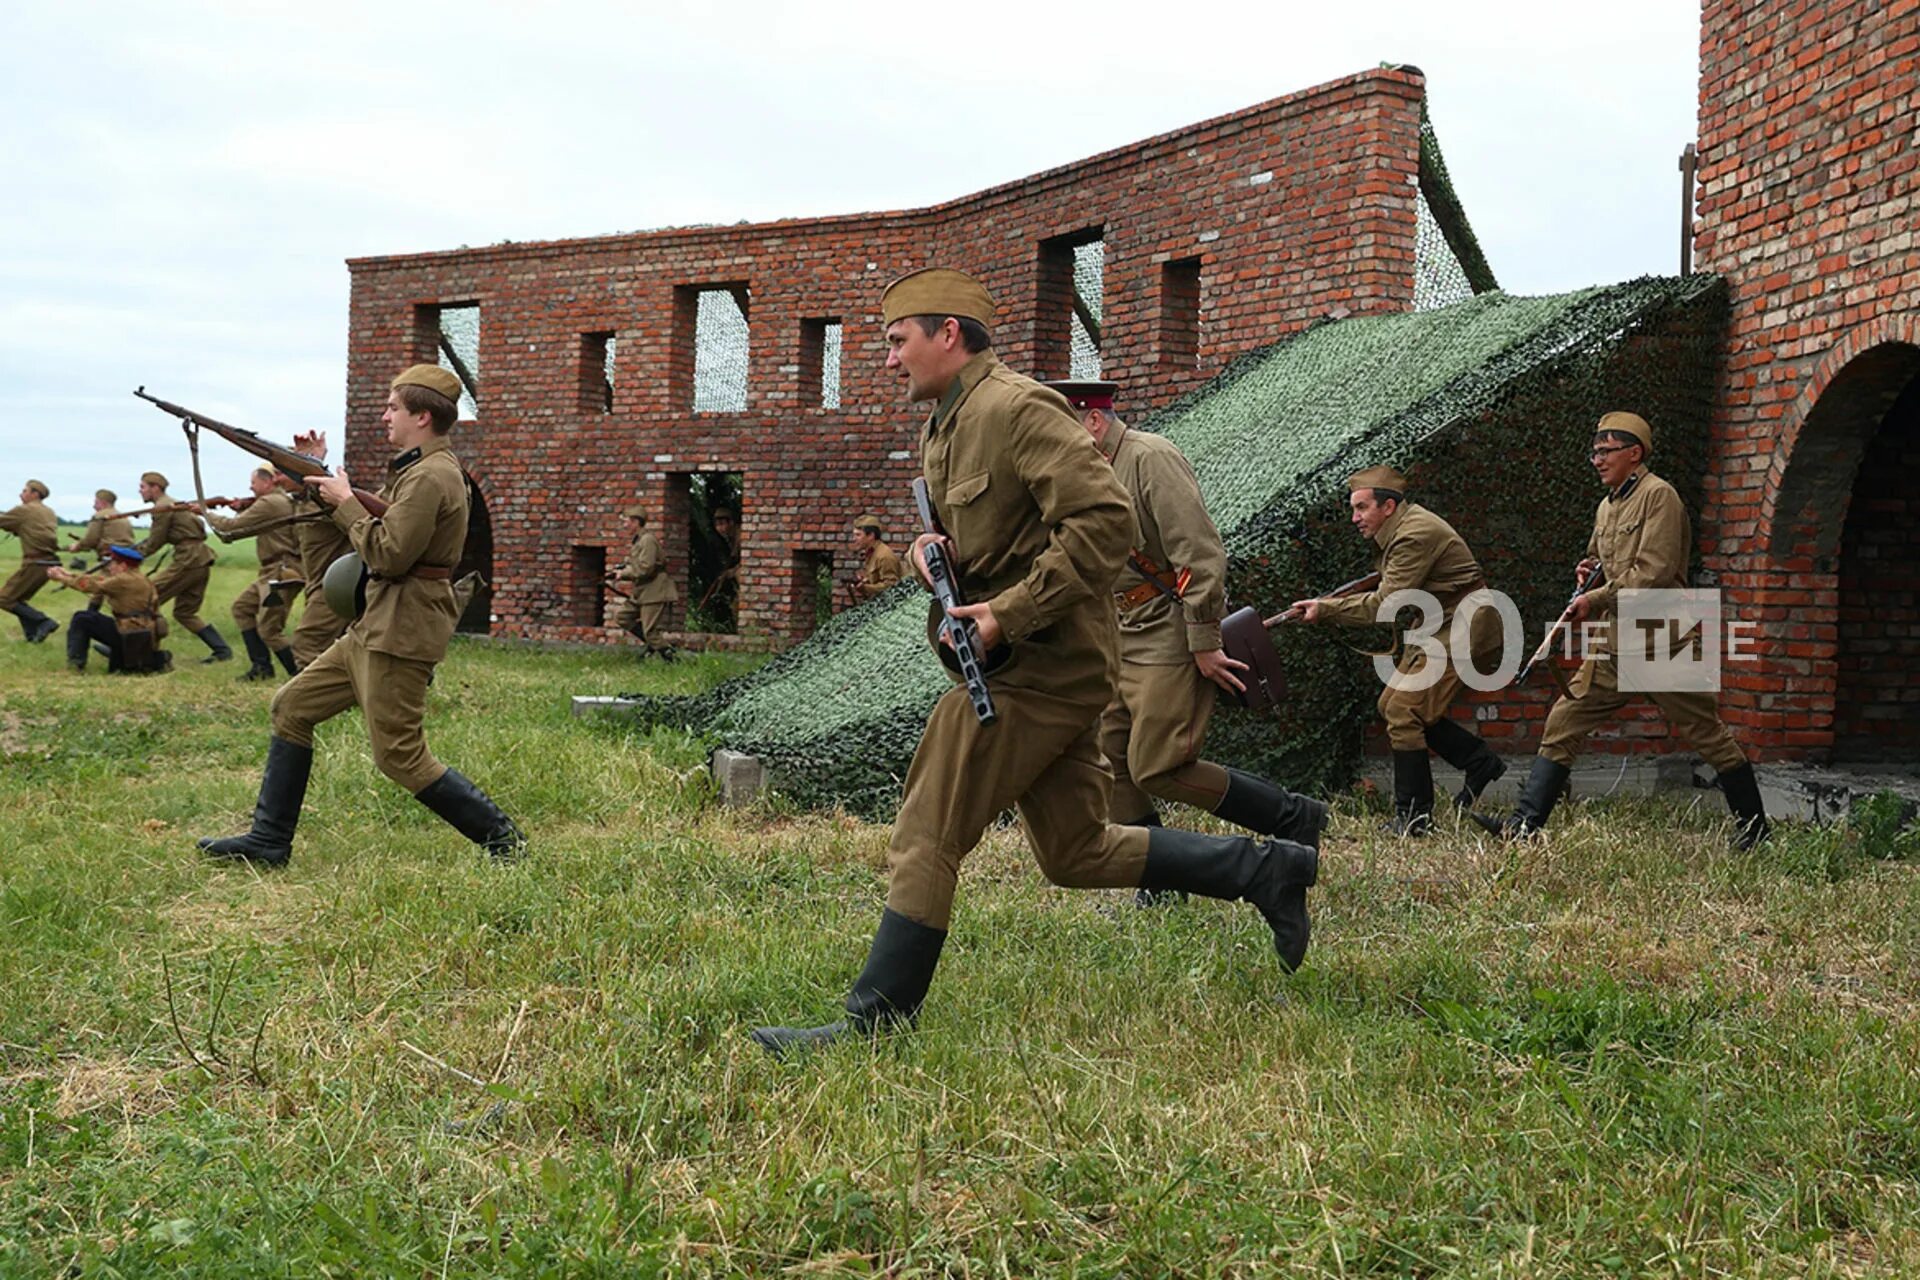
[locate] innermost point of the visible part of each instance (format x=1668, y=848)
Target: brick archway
x=1817, y=458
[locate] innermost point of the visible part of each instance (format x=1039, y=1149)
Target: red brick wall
x=1806, y=204
x=1294, y=207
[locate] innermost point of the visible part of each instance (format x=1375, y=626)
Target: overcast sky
x=184, y=181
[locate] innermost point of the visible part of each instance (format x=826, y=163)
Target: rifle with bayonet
x=289, y=462
x=1588, y=581
x=961, y=636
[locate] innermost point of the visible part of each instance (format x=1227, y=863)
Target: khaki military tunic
x=384, y=662
x=276, y=546
x=1154, y=728
x=650, y=590
x=39, y=532
x=1642, y=537
x=321, y=542
x=107, y=529
x=135, y=603
x=185, y=580
x=1040, y=529
x=1420, y=551
x=879, y=571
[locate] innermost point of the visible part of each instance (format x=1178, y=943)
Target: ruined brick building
x=754, y=352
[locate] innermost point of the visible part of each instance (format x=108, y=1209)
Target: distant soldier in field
x=132, y=637
x=721, y=600
x=649, y=590
x=879, y=566
x=1642, y=539
x=184, y=582
x=1421, y=552
x=321, y=543
x=1170, y=600
x=385, y=661
x=38, y=529
x=106, y=528
x=1038, y=531
x=267, y=520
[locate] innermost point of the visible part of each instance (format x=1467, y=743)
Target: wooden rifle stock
x=287, y=461
x=1594, y=577
x=1359, y=586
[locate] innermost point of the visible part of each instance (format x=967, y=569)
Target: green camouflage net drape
x=1488, y=405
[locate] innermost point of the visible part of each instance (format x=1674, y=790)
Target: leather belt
x=429, y=572
x=1451, y=601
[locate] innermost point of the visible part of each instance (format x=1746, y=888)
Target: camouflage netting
x=1487, y=404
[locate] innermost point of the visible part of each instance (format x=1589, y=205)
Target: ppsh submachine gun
x=960, y=648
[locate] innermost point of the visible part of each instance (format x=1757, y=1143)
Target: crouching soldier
x=132, y=637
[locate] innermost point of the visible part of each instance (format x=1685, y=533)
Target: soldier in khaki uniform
x=135, y=609
x=385, y=661
x=321, y=543
x=649, y=589
x=38, y=529
x=185, y=580
x=1170, y=600
x=879, y=566
x=268, y=521
x=106, y=528
x=1038, y=531
x=1420, y=551
x=1642, y=539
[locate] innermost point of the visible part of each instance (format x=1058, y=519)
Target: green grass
x=1625, y=1051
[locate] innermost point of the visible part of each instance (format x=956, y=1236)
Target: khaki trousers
x=19, y=588
x=648, y=615
x=251, y=614
x=1152, y=733
x=319, y=627
x=391, y=694
x=1043, y=755
x=1694, y=716
x=1409, y=712
x=186, y=586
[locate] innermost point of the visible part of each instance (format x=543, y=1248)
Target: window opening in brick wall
x=720, y=346
x=458, y=337
x=1180, y=313
x=597, y=352
x=819, y=362
x=811, y=599
x=588, y=589
x=713, y=560
x=1070, y=315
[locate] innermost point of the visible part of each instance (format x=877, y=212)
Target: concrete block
x=739, y=777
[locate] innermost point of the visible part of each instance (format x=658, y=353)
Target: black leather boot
x=1412, y=794
x=1271, y=810
x=260, y=662
x=283, y=788
x=1144, y=898
x=34, y=625
x=472, y=813
x=1742, y=790
x=1542, y=791
x=285, y=656
x=1468, y=752
x=1273, y=875
x=887, y=994
x=77, y=645
x=210, y=636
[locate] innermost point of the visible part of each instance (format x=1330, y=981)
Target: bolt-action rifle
x=1588, y=581
x=294, y=465
x=962, y=637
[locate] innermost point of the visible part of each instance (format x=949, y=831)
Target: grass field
x=1625, y=1051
